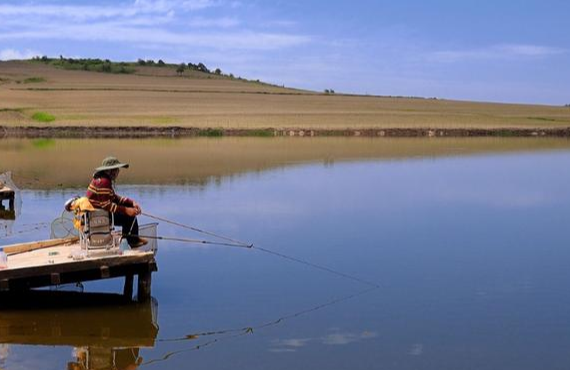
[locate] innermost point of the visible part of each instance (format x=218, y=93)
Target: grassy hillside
x=44, y=94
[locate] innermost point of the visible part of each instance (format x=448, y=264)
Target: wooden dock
x=61, y=261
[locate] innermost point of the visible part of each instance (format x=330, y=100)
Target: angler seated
x=102, y=196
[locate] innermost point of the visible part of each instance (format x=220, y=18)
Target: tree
x=181, y=68
x=141, y=62
x=202, y=68
x=161, y=63
x=218, y=71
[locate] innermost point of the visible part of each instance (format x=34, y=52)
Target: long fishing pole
x=237, y=243
x=197, y=230
x=187, y=240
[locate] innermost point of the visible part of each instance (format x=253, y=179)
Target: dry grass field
x=157, y=96
x=34, y=162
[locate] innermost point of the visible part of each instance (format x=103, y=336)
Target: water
x=471, y=254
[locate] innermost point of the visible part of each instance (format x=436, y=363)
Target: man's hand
x=137, y=207
x=132, y=212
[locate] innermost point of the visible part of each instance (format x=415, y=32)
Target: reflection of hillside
x=64, y=163
x=105, y=331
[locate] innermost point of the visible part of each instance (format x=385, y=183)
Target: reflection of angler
x=103, y=337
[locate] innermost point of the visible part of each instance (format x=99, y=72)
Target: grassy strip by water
x=43, y=117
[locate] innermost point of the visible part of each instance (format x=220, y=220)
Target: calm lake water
x=471, y=253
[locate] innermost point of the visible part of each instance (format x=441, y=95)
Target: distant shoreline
x=178, y=132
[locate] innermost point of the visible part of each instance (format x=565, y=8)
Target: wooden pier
x=61, y=261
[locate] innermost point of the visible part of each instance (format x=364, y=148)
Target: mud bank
x=176, y=131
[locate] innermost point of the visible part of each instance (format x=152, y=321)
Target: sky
x=501, y=50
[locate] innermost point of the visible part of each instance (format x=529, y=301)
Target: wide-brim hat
x=111, y=163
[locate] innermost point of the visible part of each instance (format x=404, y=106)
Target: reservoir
x=467, y=240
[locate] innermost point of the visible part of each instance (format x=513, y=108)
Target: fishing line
x=237, y=243
x=250, y=329
x=324, y=268
x=225, y=334
x=197, y=230
x=32, y=228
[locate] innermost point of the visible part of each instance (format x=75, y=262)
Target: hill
x=40, y=94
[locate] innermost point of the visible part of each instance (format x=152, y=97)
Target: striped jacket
x=101, y=195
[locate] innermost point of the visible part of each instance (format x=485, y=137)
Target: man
x=102, y=195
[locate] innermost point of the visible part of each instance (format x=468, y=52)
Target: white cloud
x=246, y=40
x=335, y=338
x=140, y=23
x=12, y=54
x=494, y=52
x=346, y=338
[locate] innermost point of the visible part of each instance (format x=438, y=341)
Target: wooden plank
x=43, y=280
x=77, y=266
x=28, y=247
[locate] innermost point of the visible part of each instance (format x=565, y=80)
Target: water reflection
x=10, y=203
x=205, y=161
x=105, y=331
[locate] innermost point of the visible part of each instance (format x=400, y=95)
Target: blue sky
x=504, y=51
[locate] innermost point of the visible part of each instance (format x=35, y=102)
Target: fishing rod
x=237, y=243
x=187, y=240
x=197, y=230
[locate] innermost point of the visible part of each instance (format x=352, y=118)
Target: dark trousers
x=129, y=226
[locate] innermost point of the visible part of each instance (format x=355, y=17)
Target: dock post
x=144, y=283
x=128, y=288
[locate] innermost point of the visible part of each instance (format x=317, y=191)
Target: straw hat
x=111, y=163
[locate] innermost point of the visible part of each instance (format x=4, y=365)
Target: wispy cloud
x=494, y=52
x=224, y=22
x=336, y=338
x=141, y=23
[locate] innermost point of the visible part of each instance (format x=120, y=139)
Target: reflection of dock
x=7, y=194
x=41, y=264
x=106, y=330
